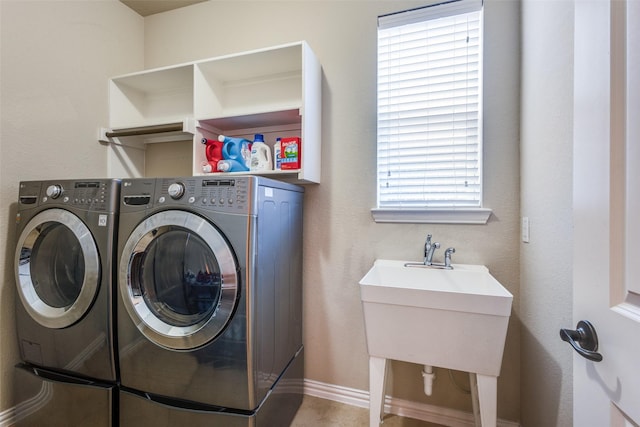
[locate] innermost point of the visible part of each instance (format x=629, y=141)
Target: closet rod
x=146, y=130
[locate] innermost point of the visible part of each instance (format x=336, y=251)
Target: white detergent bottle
x=277, y=154
x=260, y=155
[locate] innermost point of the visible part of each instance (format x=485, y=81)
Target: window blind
x=429, y=107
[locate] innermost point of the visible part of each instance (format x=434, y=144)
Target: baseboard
x=401, y=407
x=336, y=393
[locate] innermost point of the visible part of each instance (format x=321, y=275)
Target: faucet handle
x=427, y=244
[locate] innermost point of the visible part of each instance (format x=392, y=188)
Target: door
x=178, y=279
x=607, y=209
x=57, y=268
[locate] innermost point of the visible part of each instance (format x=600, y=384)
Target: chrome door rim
x=155, y=329
x=41, y=312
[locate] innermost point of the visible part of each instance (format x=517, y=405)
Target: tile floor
x=316, y=412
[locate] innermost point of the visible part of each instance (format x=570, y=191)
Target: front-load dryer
x=210, y=297
x=64, y=275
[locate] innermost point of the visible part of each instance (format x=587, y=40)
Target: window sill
x=433, y=216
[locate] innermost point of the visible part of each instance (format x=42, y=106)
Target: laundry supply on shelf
x=277, y=154
x=260, y=155
x=213, y=152
x=238, y=149
x=290, y=153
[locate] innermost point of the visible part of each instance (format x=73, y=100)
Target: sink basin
x=453, y=319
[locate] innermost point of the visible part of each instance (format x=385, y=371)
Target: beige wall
x=546, y=262
x=56, y=59
x=341, y=239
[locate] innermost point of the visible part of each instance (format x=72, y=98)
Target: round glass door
x=57, y=268
x=178, y=279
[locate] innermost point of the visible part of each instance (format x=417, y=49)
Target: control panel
x=210, y=193
x=204, y=192
x=99, y=195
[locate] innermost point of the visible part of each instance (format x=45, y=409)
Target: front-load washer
x=65, y=275
x=210, y=295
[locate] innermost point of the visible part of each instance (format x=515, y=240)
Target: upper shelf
x=251, y=83
x=248, y=83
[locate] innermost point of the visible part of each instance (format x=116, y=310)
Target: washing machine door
x=178, y=279
x=57, y=268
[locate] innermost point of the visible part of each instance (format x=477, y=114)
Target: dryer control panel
x=228, y=194
x=236, y=194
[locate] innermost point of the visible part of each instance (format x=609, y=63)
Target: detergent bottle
x=260, y=155
x=213, y=152
x=236, y=149
x=277, y=154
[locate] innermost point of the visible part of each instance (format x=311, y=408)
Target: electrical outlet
x=525, y=229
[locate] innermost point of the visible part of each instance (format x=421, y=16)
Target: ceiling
x=151, y=7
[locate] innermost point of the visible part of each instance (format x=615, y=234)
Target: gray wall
x=546, y=175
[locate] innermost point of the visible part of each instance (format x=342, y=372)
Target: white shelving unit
x=274, y=91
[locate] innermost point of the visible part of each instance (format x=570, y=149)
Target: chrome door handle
x=584, y=340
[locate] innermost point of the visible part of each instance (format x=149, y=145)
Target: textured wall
x=546, y=262
x=56, y=60
x=341, y=239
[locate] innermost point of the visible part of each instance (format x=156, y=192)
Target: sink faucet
x=429, y=249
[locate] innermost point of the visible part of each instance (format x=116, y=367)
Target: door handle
x=584, y=340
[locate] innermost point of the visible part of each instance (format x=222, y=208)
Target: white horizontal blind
x=429, y=107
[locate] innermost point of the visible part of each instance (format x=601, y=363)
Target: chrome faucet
x=429, y=249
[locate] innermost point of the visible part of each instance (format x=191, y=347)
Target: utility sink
x=454, y=319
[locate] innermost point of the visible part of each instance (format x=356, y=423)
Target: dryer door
x=178, y=279
x=57, y=268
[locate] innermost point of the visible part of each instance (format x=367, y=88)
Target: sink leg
x=473, y=385
x=487, y=396
x=377, y=386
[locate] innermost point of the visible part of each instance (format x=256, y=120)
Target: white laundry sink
x=447, y=318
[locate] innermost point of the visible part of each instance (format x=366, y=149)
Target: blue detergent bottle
x=238, y=149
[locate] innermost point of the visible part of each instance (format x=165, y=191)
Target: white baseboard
x=336, y=393
x=400, y=407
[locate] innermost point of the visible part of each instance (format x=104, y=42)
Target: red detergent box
x=290, y=153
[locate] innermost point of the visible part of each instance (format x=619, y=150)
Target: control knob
x=54, y=191
x=176, y=190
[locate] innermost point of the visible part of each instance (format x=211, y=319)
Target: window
x=430, y=114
